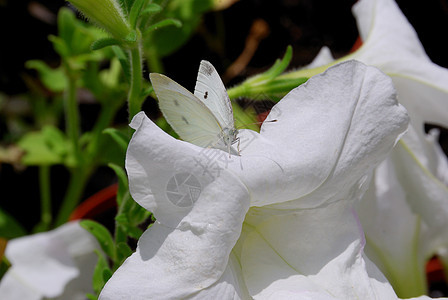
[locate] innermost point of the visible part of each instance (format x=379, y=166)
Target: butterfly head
x=229, y=136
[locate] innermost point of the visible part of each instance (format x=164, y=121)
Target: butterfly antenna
x=256, y=123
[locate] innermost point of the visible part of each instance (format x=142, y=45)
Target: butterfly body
x=204, y=118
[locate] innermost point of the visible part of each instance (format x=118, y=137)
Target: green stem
x=282, y=84
x=265, y=89
x=104, y=119
x=237, y=91
x=314, y=71
x=120, y=235
x=412, y=282
x=72, y=113
x=79, y=173
x=45, y=197
x=134, y=98
x=74, y=192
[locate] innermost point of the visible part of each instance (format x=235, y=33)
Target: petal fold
x=346, y=118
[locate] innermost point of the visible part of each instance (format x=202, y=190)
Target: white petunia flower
x=57, y=264
x=405, y=211
x=276, y=222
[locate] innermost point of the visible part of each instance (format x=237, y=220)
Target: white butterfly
x=205, y=118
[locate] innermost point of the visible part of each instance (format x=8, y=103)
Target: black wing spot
x=176, y=103
x=205, y=95
x=185, y=120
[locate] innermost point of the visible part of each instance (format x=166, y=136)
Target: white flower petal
x=424, y=94
x=426, y=194
x=157, y=165
x=13, y=287
x=178, y=263
x=346, y=119
x=45, y=263
x=391, y=44
x=322, y=58
x=328, y=136
x=390, y=226
x=387, y=35
x=318, y=251
x=410, y=190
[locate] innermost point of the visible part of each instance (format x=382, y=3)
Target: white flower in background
x=57, y=264
x=405, y=212
x=276, y=222
x=392, y=45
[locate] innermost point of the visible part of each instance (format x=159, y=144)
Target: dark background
x=307, y=25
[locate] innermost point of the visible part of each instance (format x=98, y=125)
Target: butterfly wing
x=211, y=91
x=188, y=116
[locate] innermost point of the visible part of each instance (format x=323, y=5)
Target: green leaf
x=129, y=227
x=102, y=235
x=162, y=24
x=91, y=80
x=271, y=84
x=111, y=153
x=107, y=274
x=91, y=297
x=56, y=139
x=163, y=124
x=53, y=79
x=168, y=39
x=4, y=263
x=126, y=4
x=75, y=36
x=277, y=68
x=134, y=232
x=98, y=281
x=245, y=118
x=59, y=45
x=46, y=147
x=122, y=219
x=122, y=183
x=123, y=252
x=151, y=8
x=9, y=227
x=105, y=42
x=135, y=12
x=119, y=137
x=138, y=214
x=123, y=58
x=280, y=65
x=66, y=23
x=147, y=92
x=111, y=77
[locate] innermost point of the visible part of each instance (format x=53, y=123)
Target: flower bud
x=107, y=14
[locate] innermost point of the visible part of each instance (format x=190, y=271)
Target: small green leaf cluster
x=269, y=84
x=136, y=22
x=129, y=220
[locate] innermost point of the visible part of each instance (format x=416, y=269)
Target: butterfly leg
x=238, y=146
